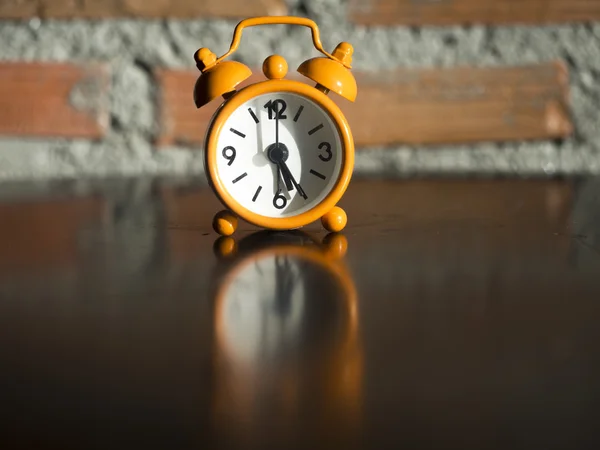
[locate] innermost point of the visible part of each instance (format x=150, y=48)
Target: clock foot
x=225, y=223
x=335, y=220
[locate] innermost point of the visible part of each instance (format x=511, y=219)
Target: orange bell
x=217, y=78
x=333, y=73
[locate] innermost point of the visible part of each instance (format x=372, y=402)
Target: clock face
x=279, y=154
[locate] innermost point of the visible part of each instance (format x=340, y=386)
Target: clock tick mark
x=297, y=116
x=256, y=194
x=315, y=129
x=245, y=174
x=317, y=174
x=239, y=133
x=253, y=115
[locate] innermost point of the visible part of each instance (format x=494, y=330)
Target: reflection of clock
x=263, y=308
x=286, y=335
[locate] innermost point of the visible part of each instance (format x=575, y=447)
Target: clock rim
x=268, y=87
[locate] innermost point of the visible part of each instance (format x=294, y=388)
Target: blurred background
x=482, y=87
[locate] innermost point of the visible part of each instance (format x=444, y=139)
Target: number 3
x=327, y=146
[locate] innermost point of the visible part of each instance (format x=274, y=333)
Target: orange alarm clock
x=279, y=153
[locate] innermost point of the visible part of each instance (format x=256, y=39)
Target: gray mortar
x=133, y=47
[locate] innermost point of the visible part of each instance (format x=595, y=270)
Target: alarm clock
x=279, y=153
x=286, y=336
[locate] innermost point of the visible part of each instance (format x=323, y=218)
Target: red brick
x=461, y=105
x=448, y=12
x=62, y=100
x=420, y=106
x=66, y=9
x=17, y=9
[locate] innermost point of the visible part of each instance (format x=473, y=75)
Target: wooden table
x=464, y=314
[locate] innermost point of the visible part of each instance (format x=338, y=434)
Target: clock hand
x=278, y=179
x=290, y=181
x=287, y=174
x=284, y=172
x=288, y=185
x=276, y=126
x=283, y=169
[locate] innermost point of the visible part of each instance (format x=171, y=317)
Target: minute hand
x=287, y=175
x=288, y=185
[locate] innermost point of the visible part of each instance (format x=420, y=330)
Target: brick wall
x=463, y=86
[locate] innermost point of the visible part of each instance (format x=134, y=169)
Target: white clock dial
x=273, y=133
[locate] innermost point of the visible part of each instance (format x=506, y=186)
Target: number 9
x=230, y=157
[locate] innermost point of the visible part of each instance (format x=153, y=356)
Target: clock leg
x=225, y=223
x=335, y=220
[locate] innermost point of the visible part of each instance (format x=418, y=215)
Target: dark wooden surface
x=477, y=309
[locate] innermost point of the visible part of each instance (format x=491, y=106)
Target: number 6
x=278, y=196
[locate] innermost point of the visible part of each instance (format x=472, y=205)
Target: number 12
x=276, y=107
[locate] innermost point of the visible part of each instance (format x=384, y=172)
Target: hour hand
x=279, y=178
x=287, y=177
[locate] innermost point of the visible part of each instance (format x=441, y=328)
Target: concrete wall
x=134, y=47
